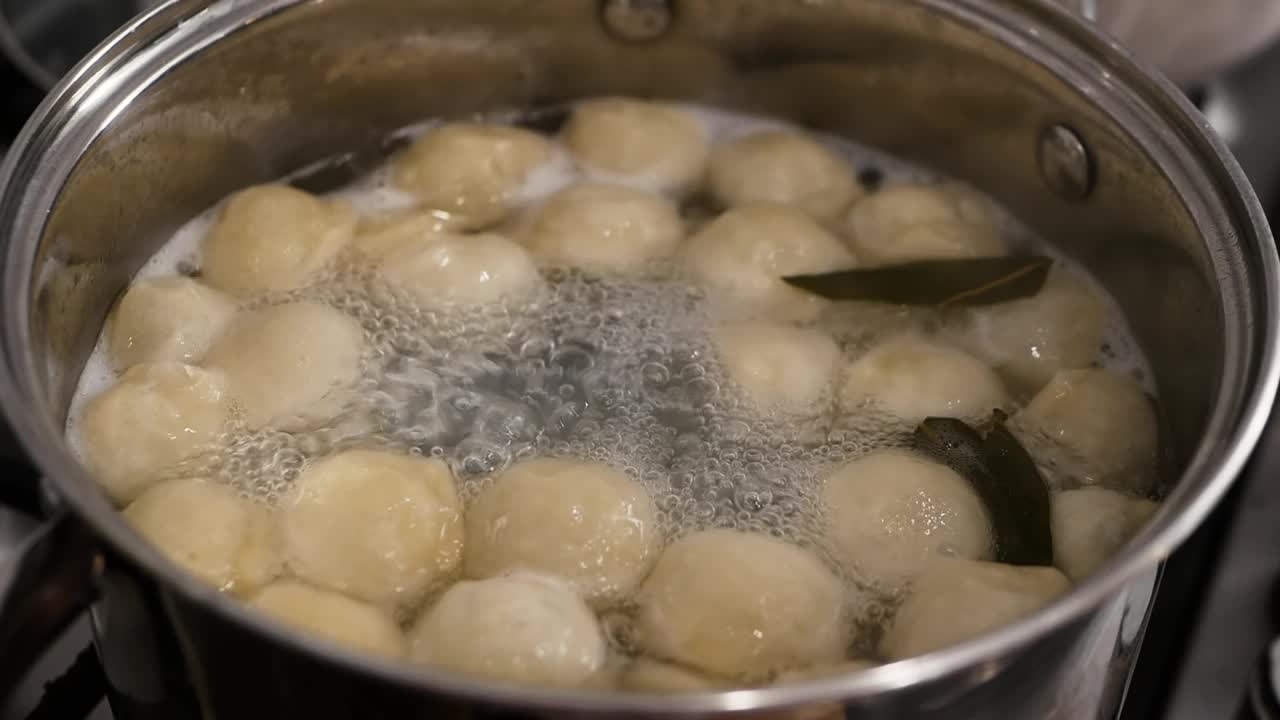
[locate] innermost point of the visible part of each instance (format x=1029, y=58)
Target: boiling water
x=619, y=370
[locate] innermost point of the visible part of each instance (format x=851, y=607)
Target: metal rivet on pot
x=1065, y=162
x=636, y=20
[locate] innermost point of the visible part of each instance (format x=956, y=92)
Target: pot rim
x=179, y=29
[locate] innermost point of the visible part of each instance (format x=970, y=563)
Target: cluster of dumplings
x=374, y=549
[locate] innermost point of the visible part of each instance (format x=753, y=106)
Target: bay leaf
x=1005, y=478
x=942, y=283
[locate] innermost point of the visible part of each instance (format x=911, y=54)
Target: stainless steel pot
x=1018, y=97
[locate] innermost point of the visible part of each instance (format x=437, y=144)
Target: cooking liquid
x=618, y=370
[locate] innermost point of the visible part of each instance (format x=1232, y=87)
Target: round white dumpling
x=376, y=525
x=744, y=254
x=955, y=600
x=905, y=223
x=158, y=415
x=912, y=377
x=166, y=319
x=582, y=521
x=522, y=628
x=380, y=236
x=1092, y=524
x=462, y=269
x=779, y=366
x=332, y=616
x=653, y=145
x=273, y=237
x=605, y=228
x=892, y=512
x=1029, y=340
x=785, y=168
x=208, y=529
x=652, y=676
x=289, y=364
x=478, y=172
x=741, y=605
x=1104, y=420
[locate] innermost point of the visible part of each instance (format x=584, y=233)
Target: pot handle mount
x=48, y=581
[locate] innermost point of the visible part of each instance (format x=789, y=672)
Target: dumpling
x=605, y=228
x=1028, y=340
x=912, y=377
x=158, y=415
x=741, y=605
x=653, y=676
x=289, y=364
x=582, y=521
x=376, y=525
x=892, y=512
x=273, y=237
x=955, y=600
x=904, y=223
x=779, y=366
x=380, y=236
x=166, y=319
x=785, y=168
x=522, y=628
x=332, y=616
x=478, y=172
x=465, y=269
x=1104, y=420
x=1092, y=524
x=208, y=529
x=744, y=254
x=653, y=145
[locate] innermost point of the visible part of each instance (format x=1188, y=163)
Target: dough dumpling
x=654, y=145
x=1028, y=340
x=912, y=377
x=381, y=236
x=741, y=605
x=378, y=526
x=955, y=600
x=582, y=521
x=289, y=364
x=892, y=512
x=905, y=223
x=167, y=319
x=1092, y=524
x=653, y=676
x=522, y=628
x=779, y=366
x=605, y=228
x=1104, y=420
x=158, y=415
x=332, y=616
x=273, y=237
x=478, y=172
x=208, y=529
x=744, y=254
x=464, y=269
x=782, y=167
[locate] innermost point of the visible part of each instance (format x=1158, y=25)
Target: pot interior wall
x=939, y=83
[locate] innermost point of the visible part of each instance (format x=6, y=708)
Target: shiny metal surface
x=198, y=100
x=1065, y=162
